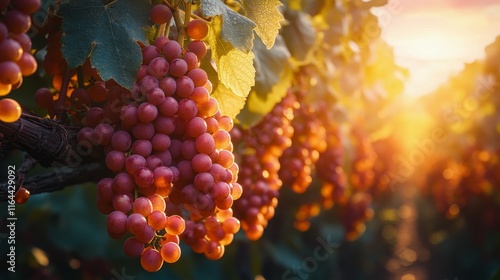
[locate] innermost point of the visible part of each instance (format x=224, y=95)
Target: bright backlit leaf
x=234, y=67
x=266, y=15
x=236, y=29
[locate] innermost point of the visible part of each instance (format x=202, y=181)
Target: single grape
x=199, y=76
x=122, y=202
x=199, y=48
x=143, y=131
x=143, y=206
x=27, y=63
x=144, y=177
x=121, y=141
x=27, y=6
x=146, y=235
x=160, y=142
x=132, y=247
x=185, y=86
x=22, y=195
x=155, y=96
x=5, y=89
x=102, y=134
x=160, y=14
x=123, y=183
x=142, y=147
x=149, y=53
x=117, y=222
x=163, y=177
x=151, y=260
x=10, y=73
x=187, y=109
x=136, y=223
x=98, y=91
x=191, y=60
x=157, y=220
x=94, y=117
x=10, y=111
x=147, y=112
x=205, y=143
x=175, y=225
x=170, y=252
x=171, y=50
x=17, y=22
x=158, y=202
x=197, y=29
x=133, y=163
x=158, y=67
x=128, y=115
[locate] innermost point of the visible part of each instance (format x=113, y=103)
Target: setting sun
x=433, y=39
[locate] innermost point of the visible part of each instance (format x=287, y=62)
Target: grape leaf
x=267, y=17
x=108, y=33
x=230, y=104
x=236, y=29
x=39, y=18
x=256, y=107
x=234, y=67
x=300, y=35
x=269, y=64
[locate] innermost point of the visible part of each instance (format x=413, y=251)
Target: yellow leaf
x=234, y=67
x=230, y=104
x=267, y=17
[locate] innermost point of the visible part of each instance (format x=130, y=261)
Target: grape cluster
x=298, y=160
x=16, y=60
x=210, y=236
x=331, y=172
x=362, y=175
x=165, y=139
x=354, y=213
x=259, y=166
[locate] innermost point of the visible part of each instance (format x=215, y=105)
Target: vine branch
x=59, y=179
x=50, y=144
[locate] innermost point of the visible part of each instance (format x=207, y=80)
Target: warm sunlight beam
x=433, y=39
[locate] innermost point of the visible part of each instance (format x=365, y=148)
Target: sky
x=434, y=38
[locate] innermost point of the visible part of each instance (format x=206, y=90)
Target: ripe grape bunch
x=260, y=166
x=170, y=149
x=16, y=60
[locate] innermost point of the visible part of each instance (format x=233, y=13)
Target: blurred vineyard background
x=416, y=179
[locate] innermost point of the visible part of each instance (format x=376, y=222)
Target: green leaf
x=39, y=18
x=236, y=29
x=108, y=33
x=274, y=75
x=267, y=17
x=269, y=65
x=300, y=35
x=234, y=67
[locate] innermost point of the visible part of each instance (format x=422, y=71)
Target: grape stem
x=60, y=106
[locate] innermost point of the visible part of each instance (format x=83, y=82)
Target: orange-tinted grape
x=10, y=111
x=170, y=252
x=21, y=195
x=197, y=29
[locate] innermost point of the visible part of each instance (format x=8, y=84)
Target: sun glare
x=435, y=43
